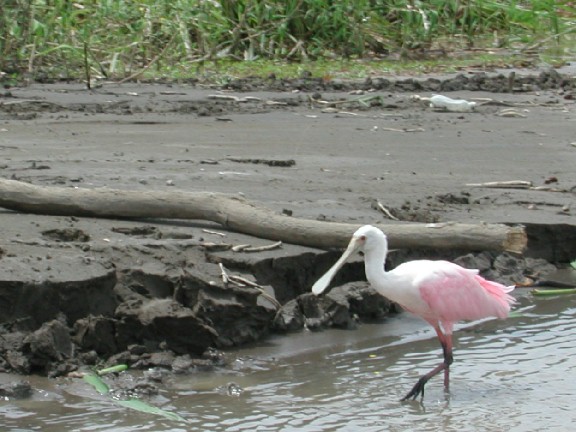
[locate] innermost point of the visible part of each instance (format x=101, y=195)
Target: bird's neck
x=374, y=261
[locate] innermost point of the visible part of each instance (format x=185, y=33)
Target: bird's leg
x=448, y=359
x=418, y=389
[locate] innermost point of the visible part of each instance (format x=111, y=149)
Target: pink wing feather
x=454, y=293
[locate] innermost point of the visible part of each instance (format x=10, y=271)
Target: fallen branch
x=237, y=214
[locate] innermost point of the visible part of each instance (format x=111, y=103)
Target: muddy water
x=513, y=375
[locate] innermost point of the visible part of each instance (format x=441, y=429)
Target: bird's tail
x=499, y=293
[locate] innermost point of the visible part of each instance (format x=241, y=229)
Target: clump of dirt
x=66, y=235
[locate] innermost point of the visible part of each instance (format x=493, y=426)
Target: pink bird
x=440, y=292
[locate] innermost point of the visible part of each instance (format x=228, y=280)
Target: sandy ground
x=285, y=147
x=400, y=152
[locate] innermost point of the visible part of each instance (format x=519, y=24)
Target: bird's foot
x=417, y=390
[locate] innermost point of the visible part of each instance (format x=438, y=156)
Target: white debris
x=454, y=105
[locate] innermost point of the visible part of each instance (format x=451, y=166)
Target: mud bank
x=81, y=291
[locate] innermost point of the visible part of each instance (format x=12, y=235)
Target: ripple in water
x=512, y=375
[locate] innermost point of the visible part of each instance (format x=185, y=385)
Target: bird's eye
x=363, y=238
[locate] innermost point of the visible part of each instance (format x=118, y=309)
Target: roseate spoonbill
x=440, y=292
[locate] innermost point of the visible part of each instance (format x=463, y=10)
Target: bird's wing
x=454, y=293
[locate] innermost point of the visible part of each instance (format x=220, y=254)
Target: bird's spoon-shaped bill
x=321, y=284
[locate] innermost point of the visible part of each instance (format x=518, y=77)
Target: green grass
x=330, y=69
x=116, y=39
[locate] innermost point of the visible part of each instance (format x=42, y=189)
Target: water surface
x=513, y=375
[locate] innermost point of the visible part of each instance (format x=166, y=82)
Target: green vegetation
x=124, y=38
x=131, y=403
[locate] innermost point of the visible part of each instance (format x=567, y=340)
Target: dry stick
x=263, y=293
x=549, y=189
x=403, y=130
x=149, y=65
x=238, y=214
x=510, y=113
x=207, y=231
x=234, y=98
x=361, y=100
x=263, y=248
x=516, y=184
x=386, y=211
x=223, y=274
x=243, y=282
x=512, y=184
x=216, y=246
x=490, y=101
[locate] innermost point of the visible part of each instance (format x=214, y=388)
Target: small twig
x=263, y=248
x=403, y=130
x=225, y=97
x=235, y=98
x=275, y=103
x=223, y=274
x=243, y=282
x=263, y=293
x=214, y=232
x=43, y=102
x=386, y=211
x=510, y=112
x=216, y=246
x=517, y=184
x=548, y=189
x=240, y=247
x=490, y=101
x=512, y=184
x=361, y=100
x=348, y=113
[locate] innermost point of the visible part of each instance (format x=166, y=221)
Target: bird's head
x=368, y=238
x=365, y=239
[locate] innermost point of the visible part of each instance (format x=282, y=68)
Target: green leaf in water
x=96, y=382
x=138, y=405
x=551, y=292
x=112, y=369
x=515, y=314
x=135, y=404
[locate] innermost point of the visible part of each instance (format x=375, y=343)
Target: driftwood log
x=237, y=214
